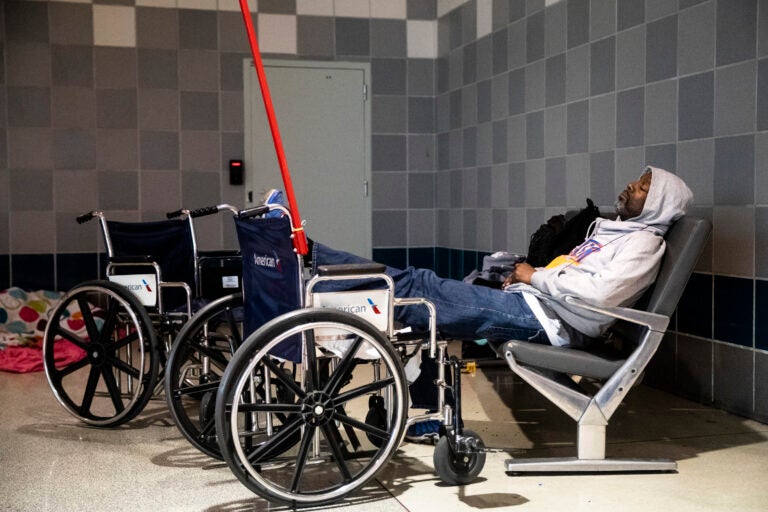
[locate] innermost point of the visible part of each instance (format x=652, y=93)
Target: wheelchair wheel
x=459, y=465
x=196, y=362
x=308, y=445
x=100, y=354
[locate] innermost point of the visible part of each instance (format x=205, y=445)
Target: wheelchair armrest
x=652, y=321
x=351, y=269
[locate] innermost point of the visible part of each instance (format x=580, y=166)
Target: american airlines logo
x=267, y=261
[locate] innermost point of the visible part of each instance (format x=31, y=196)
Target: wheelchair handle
x=202, y=212
x=82, y=219
x=253, y=212
x=174, y=214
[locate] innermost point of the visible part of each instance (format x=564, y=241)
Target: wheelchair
x=312, y=400
x=105, y=344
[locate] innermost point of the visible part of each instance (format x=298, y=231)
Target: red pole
x=299, y=239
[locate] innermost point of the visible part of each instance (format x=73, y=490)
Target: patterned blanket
x=23, y=318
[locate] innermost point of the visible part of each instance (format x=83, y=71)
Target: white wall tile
x=396, y=9
x=234, y=5
x=484, y=17
x=114, y=25
x=156, y=3
x=203, y=5
x=422, y=39
x=277, y=33
x=315, y=7
x=352, y=8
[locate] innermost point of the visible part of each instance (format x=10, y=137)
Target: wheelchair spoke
x=338, y=455
x=344, y=369
x=109, y=321
x=215, y=355
x=262, y=407
x=311, y=368
x=72, y=368
x=201, y=389
x=127, y=340
x=368, y=429
x=364, y=390
x=114, y=391
x=70, y=336
x=90, y=391
x=234, y=328
x=301, y=460
x=284, y=378
x=90, y=322
x=264, y=451
x=125, y=367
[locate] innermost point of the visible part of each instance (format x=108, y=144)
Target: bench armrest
x=652, y=321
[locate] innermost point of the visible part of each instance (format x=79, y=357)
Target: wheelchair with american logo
x=314, y=400
x=106, y=341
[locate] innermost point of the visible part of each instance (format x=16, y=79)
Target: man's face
x=632, y=199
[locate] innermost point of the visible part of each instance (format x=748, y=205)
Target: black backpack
x=559, y=235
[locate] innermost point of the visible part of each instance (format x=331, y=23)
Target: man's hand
x=521, y=274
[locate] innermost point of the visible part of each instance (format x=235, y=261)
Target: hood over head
x=668, y=199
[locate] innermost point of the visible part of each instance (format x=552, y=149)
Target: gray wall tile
x=158, y=109
x=315, y=36
x=116, y=108
x=517, y=138
x=696, y=39
x=733, y=378
x=115, y=68
x=29, y=106
x=578, y=22
x=499, y=187
x=388, y=76
x=198, y=70
x=661, y=112
x=483, y=58
x=735, y=99
x=602, y=123
x=534, y=129
x=421, y=152
x=500, y=51
x=388, y=152
x=555, y=131
x=733, y=236
x=231, y=67
x=736, y=31
x=695, y=110
x=28, y=63
x=535, y=185
x=629, y=13
x=389, y=114
x=761, y=242
x=232, y=118
x=655, y=9
x=200, y=151
x=420, y=192
x=469, y=21
x=629, y=164
x=421, y=9
x=389, y=192
x=761, y=168
x=535, y=94
x=516, y=100
x=556, y=191
x=158, y=69
x=603, y=66
x=601, y=178
x=735, y=170
x=117, y=150
x=696, y=165
x=390, y=228
x=498, y=230
x=198, y=29
x=762, y=95
x=353, y=37
x=30, y=148
x=232, y=37
x=761, y=389
x=72, y=65
x=484, y=144
x=456, y=69
x=469, y=105
x=31, y=190
x=693, y=368
x=421, y=228
x=421, y=77
x=516, y=37
x=516, y=182
x=577, y=73
x=578, y=127
x=534, y=39
x=500, y=96
x=469, y=64
x=630, y=58
x=602, y=18
x=159, y=28
x=278, y=6
x=661, y=49
x=161, y=191
x=75, y=193
x=388, y=38
x=199, y=110
x=500, y=141
x=630, y=107
x=70, y=23
x=555, y=80
x=26, y=21
x=577, y=180
x=484, y=101
x=199, y=188
x=74, y=148
x=159, y=150
x=119, y=190
x=456, y=109
x=662, y=155
x=469, y=187
x=555, y=28
x=42, y=224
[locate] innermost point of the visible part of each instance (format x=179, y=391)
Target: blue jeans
x=464, y=311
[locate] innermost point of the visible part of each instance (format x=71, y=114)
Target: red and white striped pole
x=299, y=238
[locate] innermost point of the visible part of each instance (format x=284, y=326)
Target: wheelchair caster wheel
x=462, y=465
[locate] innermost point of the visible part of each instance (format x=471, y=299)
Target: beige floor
x=50, y=462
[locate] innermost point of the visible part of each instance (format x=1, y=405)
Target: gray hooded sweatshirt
x=617, y=262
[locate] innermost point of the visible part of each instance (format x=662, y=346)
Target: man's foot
x=274, y=196
x=427, y=431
